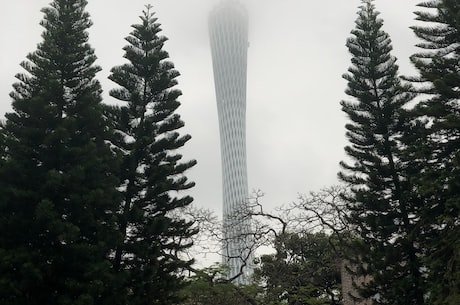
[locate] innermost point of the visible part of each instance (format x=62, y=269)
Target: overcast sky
x=297, y=54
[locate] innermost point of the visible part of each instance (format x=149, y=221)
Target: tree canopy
x=382, y=205
x=434, y=143
x=58, y=195
x=93, y=196
x=152, y=173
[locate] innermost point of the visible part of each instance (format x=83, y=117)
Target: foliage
x=209, y=287
x=434, y=142
x=382, y=206
x=152, y=173
x=92, y=204
x=57, y=191
x=304, y=270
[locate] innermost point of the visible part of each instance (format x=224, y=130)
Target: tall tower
x=228, y=31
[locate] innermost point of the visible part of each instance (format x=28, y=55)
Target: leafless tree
x=321, y=211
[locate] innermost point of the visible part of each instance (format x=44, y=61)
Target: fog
x=297, y=54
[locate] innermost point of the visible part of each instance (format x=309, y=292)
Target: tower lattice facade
x=228, y=31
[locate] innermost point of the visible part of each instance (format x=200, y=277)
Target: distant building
x=349, y=284
x=228, y=31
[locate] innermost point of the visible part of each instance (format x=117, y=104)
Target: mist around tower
x=134, y=140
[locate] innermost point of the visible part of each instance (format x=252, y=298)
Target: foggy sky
x=297, y=54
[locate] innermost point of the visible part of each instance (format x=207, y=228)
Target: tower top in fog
x=226, y=12
x=231, y=4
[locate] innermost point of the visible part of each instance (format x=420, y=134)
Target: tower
x=228, y=31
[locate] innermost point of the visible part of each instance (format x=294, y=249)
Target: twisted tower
x=228, y=31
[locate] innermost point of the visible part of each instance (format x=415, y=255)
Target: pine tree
x=153, y=173
x=434, y=139
x=58, y=193
x=382, y=207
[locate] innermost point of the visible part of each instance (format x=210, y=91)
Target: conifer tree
x=58, y=193
x=152, y=172
x=382, y=206
x=434, y=142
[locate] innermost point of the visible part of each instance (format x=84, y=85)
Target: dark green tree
x=383, y=209
x=152, y=174
x=209, y=286
x=434, y=139
x=58, y=192
x=304, y=270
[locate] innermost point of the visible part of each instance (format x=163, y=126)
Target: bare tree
x=322, y=211
x=316, y=218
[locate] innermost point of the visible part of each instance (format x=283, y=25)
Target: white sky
x=297, y=54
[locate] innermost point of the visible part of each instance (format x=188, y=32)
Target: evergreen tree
x=152, y=172
x=58, y=193
x=382, y=207
x=434, y=139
